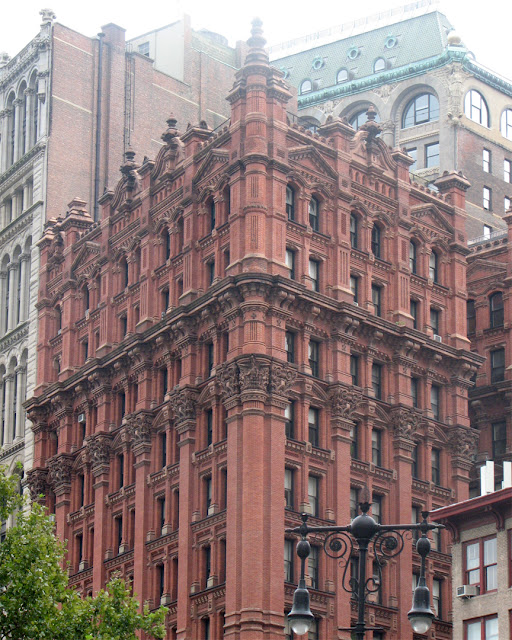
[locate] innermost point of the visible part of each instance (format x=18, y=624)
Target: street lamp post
x=387, y=541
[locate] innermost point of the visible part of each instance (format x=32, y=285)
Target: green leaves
x=35, y=600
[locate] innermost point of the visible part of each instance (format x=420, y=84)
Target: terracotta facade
x=259, y=308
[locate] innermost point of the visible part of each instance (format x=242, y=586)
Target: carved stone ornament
x=184, y=404
x=464, y=442
x=59, y=471
x=254, y=375
x=405, y=422
x=281, y=378
x=99, y=450
x=140, y=428
x=228, y=380
x=344, y=401
x=37, y=481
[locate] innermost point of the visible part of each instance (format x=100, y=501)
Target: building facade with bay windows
x=263, y=321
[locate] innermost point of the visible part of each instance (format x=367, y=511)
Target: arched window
x=354, y=235
x=475, y=108
x=376, y=241
x=306, y=86
x=413, y=265
x=421, y=109
x=496, y=309
x=23, y=146
x=433, y=267
x=124, y=272
x=35, y=109
x=290, y=202
x=379, y=65
x=314, y=207
x=342, y=76
x=360, y=118
x=506, y=124
x=11, y=129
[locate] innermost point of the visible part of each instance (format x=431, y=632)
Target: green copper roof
x=408, y=42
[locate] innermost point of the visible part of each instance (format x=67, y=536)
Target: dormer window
x=379, y=65
x=306, y=86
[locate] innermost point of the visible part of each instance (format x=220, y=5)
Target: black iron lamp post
x=387, y=541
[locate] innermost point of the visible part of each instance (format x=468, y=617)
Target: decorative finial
x=47, y=16
x=171, y=132
x=256, y=44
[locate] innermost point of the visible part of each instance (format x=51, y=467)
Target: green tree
x=35, y=600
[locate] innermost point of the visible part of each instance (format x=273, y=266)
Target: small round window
x=318, y=63
x=353, y=53
x=391, y=42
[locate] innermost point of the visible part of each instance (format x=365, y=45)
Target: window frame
x=507, y=170
x=429, y=108
x=497, y=370
x=483, y=630
x=433, y=266
x=290, y=202
x=314, y=274
x=506, y=123
x=289, y=493
x=354, y=369
x=435, y=466
x=354, y=231
x=435, y=401
x=314, y=426
x=354, y=288
x=314, y=357
x=314, y=496
x=376, y=241
x=430, y=158
x=289, y=563
x=486, y=198
x=435, y=317
x=413, y=310
x=486, y=160
x=289, y=420
x=471, y=317
x=289, y=346
x=289, y=260
x=482, y=567
x=499, y=426
x=377, y=447
x=478, y=113
x=496, y=310
x=314, y=213
x=377, y=380
x=377, y=299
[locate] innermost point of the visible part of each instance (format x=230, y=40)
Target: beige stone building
x=481, y=530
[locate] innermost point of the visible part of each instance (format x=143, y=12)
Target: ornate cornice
x=37, y=481
x=258, y=374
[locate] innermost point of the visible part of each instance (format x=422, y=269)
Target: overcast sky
x=484, y=25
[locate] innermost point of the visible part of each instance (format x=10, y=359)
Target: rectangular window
x=414, y=391
x=209, y=427
x=313, y=484
x=354, y=502
x=354, y=287
x=497, y=365
x=376, y=299
x=313, y=567
x=471, y=316
x=487, y=199
x=288, y=561
x=432, y=155
x=314, y=357
x=377, y=380
x=377, y=508
x=415, y=519
x=507, y=170
x=414, y=155
x=434, y=401
x=415, y=467
x=313, y=426
x=290, y=203
x=354, y=369
x=210, y=358
x=436, y=466
x=437, y=602
x=208, y=494
x=289, y=346
x=506, y=203
x=313, y=214
x=290, y=263
x=486, y=160
x=481, y=564
x=414, y=313
x=288, y=488
x=482, y=629
x=376, y=447
x=143, y=49
x=314, y=270
x=210, y=266
x=354, y=441
x=434, y=321
x=163, y=449
x=289, y=428
x=487, y=231
x=499, y=439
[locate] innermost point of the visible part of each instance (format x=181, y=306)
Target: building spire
x=256, y=42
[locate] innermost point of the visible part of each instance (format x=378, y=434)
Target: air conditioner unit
x=437, y=338
x=468, y=591
x=81, y=418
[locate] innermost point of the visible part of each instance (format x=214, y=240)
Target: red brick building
x=489, y=325
x=258, y=308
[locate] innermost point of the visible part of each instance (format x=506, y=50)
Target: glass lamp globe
x=420, y=624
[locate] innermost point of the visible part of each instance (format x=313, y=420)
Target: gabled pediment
x=88, y=252
x=311, y=160
x=211, y=163
x=486, y=268
x=430, y=215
